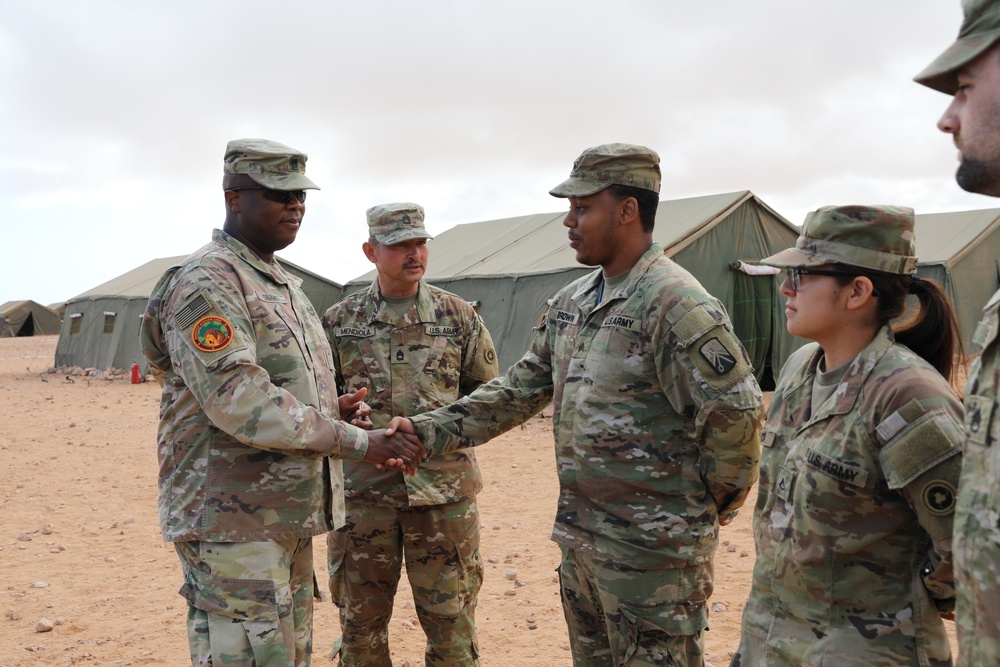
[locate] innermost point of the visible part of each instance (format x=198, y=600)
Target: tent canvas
x=961, y=252
x=101, y=326
x=27, y=318
x=510, y=267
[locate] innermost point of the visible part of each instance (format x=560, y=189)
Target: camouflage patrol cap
x=880, y=238
x=611, y=164
x=980, y=30
x=395, y=223
x=273, y=165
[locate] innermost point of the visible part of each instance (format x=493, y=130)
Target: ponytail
x=932, y=332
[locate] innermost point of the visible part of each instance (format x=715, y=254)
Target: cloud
x=117, y=114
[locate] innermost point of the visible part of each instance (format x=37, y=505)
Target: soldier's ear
x=369, y=251
x=233, y=200
x=628, y=209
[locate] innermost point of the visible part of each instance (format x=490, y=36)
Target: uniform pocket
x=647, y=626
x=243, y=599
x=336, y=544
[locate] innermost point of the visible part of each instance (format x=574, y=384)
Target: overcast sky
x=115, y=115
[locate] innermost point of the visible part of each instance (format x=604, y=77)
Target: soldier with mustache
x=412, y=347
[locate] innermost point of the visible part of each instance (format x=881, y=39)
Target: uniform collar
x=377, y=310
x=849, y=389
x=591, y=285
x=274, y=271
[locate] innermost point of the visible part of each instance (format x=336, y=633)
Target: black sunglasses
x=794, y=273
x=280, y=196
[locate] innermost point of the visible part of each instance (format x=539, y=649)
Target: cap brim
x=795, y=257
x=574, y=187
x=392, y=238
x=941, y=74
x=284, y=181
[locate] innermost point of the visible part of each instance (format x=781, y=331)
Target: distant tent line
x=27, y=318
x=510, y=267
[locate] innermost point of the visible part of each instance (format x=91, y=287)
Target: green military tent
x=961, y=252
x=101, y=326
x=27, y=318
x=510, y=267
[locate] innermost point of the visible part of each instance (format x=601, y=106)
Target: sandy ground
x=80, y=545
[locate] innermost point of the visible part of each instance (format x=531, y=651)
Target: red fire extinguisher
x=135, y=373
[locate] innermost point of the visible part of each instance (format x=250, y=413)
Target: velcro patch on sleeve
x=717, y=355
x=917, y=448
x=190, y=313
x=939, y=497
x=690, y=325
x=212, y=333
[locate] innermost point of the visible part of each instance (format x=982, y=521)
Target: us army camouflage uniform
x=244, y=433
x=428, y=357
x=656, y=430
x=854, y=516
x=977, y=516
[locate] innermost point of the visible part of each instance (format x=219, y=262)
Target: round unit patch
x=939, y=497
x=212, y=333
x=490, y=355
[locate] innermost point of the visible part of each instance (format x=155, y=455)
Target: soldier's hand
x=354, y=409
x=402, y=424
x=398, y=450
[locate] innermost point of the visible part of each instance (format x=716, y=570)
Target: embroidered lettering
x=568, y=318
x=437, y=330
x=356, y=332
x=836, y=469
x=622, y=322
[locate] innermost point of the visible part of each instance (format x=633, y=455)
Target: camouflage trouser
x=440, y=544
x=618, y=616
x=249, y=603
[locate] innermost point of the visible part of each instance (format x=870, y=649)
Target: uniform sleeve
x=479, y=357
x=495, y=407
x=708, y=373
x=920, y=456
x=230, y=386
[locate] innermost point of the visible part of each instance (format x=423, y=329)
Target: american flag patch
x=191, y=312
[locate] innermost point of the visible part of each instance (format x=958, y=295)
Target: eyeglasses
x=280, y=196
x=796, y=272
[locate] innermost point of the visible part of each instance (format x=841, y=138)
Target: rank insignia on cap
x=212, y=333
x=939, y=497
x=718, y=356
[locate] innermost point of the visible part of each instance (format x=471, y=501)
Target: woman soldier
x=860, y=457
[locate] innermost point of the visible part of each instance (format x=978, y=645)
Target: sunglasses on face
x=795, y=274
x=280, y=196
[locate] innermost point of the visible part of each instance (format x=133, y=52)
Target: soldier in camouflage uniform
x=861, y=457
x=656, y=423
x=970, y=71
x=412, y=347
x=250, y=432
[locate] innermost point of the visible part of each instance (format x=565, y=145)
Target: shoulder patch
x=490, y=355
x=939, y=497
x=718, y=356
x=186, y=316
x=212, y=333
